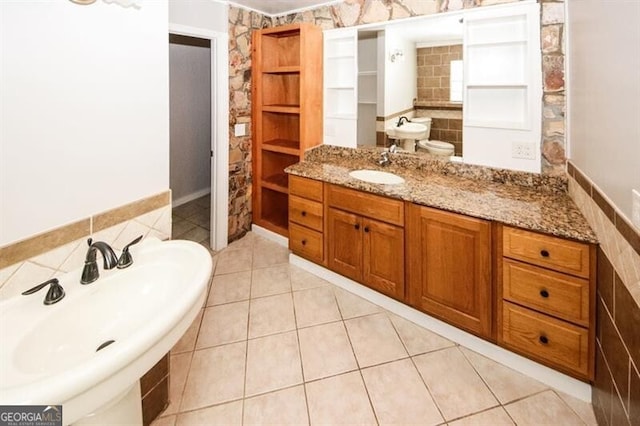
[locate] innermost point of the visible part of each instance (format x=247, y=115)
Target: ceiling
x=281, y=7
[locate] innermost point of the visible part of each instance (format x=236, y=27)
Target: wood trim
x=184, y=40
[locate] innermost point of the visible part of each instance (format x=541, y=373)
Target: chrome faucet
x=90, y=272
x=400, y=123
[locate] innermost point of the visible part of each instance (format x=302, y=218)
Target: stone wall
x=357, y=12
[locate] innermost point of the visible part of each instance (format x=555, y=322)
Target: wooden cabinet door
x=450, y=268
x=383, y=251
x=345, y=243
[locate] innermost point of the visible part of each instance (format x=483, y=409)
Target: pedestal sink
x=58, y=354
x=415, y=131
x=376, y=176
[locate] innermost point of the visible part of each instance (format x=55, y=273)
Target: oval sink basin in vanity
x=50, y=354
x=376, y=176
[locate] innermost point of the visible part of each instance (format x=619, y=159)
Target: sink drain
x=105, y=344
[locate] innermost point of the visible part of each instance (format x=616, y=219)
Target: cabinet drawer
x=545, y=338
x=305, y=212
x=305, y=188
x=543, y=250
x=374, y=206
x=306, y=242
x=561, y=295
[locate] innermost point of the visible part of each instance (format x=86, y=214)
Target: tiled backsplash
x=434, y=71
x=29, y=262
x=616, y=396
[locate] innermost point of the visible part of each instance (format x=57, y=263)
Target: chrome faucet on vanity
x=90, y=272
x=384, y=155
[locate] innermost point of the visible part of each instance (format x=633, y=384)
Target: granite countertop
x=529, y=201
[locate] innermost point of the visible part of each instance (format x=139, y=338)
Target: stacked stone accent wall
x=356, y=12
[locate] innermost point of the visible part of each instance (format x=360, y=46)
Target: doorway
x=190, y=137
x=218, y=152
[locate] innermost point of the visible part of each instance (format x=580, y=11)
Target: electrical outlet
x=635, y=208
x=524, y=150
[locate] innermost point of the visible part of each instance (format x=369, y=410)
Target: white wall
x=604, y=95
x=206, y=14
x=190, y=118
x=84, y=110
x=401, y=76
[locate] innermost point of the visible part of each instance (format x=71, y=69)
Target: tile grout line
x=295, y=320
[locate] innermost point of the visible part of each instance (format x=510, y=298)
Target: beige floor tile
x=374, y=340
x=188, y=340
x=196, y=234
x=494, y=417
x=186, y=210
x=416, y=339
x=584, y=410
x=224, y=324
x=179, y=370
x=315, y=306
x=245, y=242
x=204, y=201
x=399, y=395
x=230, y=261
x=273, y=363
x=216, y=376
x=284, y=407
x=267, y=253
x=270, y=281
x=339, y=400
x=352, y=306
x=230, y=288
x=325, y=351
x=506, y=384
x=454, y=384
x=201, y=218
x=269, y=315
x=164, y=421
x=303, y=280
x=226, y=414
x=545, y=408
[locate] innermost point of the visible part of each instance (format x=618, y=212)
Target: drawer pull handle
x=544, y=340
x=303, y=213
x=357, y=226
x=544, y=253
x=366, y=229
x=544, y=293
x=304, y=242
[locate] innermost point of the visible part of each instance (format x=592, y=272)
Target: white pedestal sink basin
x=376, y=176
x=49, y=353
x=408, y=131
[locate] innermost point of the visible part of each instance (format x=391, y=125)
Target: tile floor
x=277, y=345
x=190, y=221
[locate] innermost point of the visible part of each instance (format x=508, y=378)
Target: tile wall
x=434, y=65
x=616, y=394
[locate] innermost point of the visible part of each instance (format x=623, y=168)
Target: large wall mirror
x=471, y=78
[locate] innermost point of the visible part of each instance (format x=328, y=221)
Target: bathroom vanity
x=503, y=255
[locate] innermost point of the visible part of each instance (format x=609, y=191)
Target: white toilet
x=444, y=149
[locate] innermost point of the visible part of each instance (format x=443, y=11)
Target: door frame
x=219, y=229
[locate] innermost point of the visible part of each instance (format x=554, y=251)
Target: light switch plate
x=240, y=129
x=635, y=208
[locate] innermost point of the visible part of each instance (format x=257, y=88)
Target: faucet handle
x=55, y=293
x=125, y=258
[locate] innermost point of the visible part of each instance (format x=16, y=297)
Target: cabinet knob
x=543, y=339
x=357, y=226
x=366, y=229
x=544, y=293
x=544, y=253
x=303, y=213
x=304, y=242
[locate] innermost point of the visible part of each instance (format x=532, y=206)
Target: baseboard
x=190, y=197
x=269, y=235
x=546, y=375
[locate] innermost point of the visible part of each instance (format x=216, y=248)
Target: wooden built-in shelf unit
x=286, y=113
